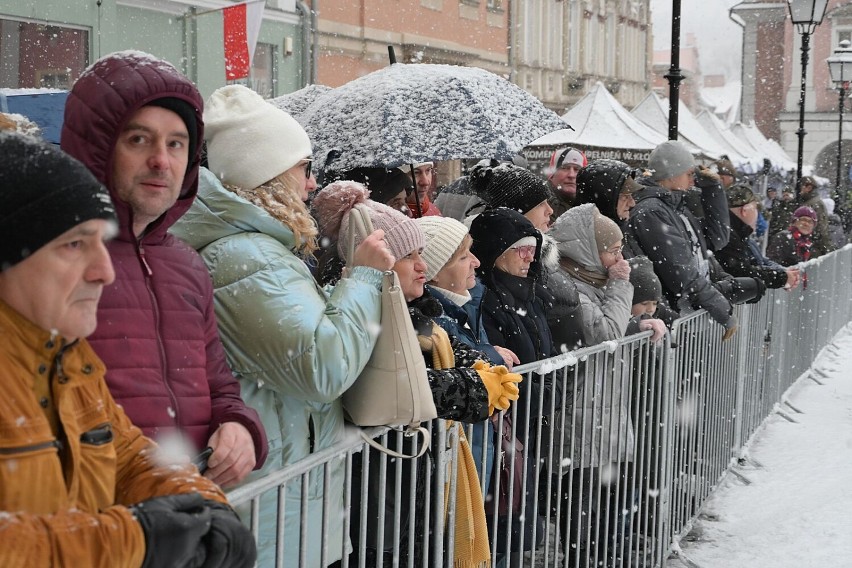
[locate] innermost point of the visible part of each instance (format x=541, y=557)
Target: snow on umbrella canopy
x=411, y=113
x=296, y=102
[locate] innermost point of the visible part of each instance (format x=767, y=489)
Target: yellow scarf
x=471, y=548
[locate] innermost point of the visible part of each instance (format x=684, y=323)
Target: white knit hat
x=443, y=237
x=249, y=141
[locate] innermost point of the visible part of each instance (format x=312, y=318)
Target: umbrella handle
x=418, y=213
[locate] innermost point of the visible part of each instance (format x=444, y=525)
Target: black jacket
x=658, y=230
x=736, y=258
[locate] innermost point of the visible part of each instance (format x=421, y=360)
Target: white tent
x=654, y=111
x=765, y=147
x=752, y=163
x=600, y=121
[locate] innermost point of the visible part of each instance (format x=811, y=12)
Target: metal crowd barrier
x=622, y=443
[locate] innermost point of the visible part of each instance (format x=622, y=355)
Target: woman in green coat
x=295, y=347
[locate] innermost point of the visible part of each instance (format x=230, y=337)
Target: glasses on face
x=615, y=252
x=525, y=251
x=308, y=163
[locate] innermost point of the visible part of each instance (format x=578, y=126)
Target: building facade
x=354, y=35
x=48, y=43
x=771, y=79
x=561, y=49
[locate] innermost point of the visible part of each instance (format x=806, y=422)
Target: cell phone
x=200, y=461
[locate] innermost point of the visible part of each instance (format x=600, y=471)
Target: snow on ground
x=797, y=513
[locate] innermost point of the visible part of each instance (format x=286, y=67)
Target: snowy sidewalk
x=797, y=513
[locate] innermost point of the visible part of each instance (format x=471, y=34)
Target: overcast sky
x=719, y=39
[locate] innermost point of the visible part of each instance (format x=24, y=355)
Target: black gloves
x=741, y=289
x=229, y=543
x=188, y=531
x=174, y=528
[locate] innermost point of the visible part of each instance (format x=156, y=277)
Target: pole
x=840, y=105
x=674, y=75
x=806, y=39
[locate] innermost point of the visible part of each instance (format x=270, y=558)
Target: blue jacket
x=465, y=322
x=295, y=348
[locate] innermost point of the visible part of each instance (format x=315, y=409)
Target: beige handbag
x=392, y=390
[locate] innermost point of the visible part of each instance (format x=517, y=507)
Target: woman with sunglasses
x=295, y=347
x=508, y=247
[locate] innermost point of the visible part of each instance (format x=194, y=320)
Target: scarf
x=455, y=298
x=576, y=270
x=424, y=205
x=471, y=549
x=803, y=244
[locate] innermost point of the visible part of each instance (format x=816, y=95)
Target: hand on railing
x=730, y=327
x=655, y=325
x=502, y=386
x=509, y=357
x=792, y=278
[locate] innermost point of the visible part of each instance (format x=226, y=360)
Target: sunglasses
x=308, y=163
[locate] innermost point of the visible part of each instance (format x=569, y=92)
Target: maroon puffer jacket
x=156, y=326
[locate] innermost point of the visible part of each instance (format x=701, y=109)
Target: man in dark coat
x=610, y=185
x=670, y=236
x=738, y=257
x=135, y=122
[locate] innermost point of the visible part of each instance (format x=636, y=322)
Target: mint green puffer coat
x=294, y=347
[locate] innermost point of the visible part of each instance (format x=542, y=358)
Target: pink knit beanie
x=333, y=204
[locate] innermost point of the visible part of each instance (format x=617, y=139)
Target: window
x=34, y=54
x=494, y=4
x=263, y=76
x=842, y=34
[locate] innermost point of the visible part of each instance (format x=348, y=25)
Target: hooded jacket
x=658, y=228
x=606, y=310
x=279, y=329
x=156, y=326
x=512, y=307
x=76, y=516
x=564, y=311
x=600, y=183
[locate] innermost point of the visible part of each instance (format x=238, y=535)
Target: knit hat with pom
x=249, y=141
x=443, y=237
x=333, y=205
x=507, y=185
x=646, y=285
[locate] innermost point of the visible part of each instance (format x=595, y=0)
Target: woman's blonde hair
x=280, y=198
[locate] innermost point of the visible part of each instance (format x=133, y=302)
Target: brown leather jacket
x=71, y=511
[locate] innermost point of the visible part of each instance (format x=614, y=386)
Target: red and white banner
x=242, y=28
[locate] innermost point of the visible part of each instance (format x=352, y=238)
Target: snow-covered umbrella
x=296, y=102
x=412, y=113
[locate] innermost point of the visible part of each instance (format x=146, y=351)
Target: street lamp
x=840, y=68
x=806, y=16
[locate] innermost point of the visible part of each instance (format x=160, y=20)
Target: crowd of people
x=183, y=309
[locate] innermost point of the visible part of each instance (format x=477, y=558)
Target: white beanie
x=443, y=236
x=250, y=141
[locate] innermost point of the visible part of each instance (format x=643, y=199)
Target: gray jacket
x=597, y=419
x=606, y=310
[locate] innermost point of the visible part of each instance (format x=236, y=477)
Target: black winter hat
x=495, y=230
x=646, y=285
x=44, y=192
x=384, y=184
x=507, y=185
x=601, y=183
x=187, y=114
